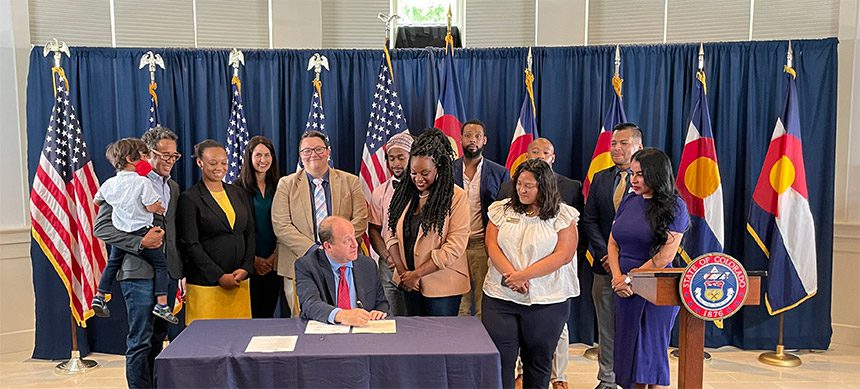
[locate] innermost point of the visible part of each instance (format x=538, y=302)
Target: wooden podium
x=660, y=287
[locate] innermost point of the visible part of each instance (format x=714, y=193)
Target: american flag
x=237, y=134
x=386, y=119
x=61, y=204
x=154, y=120
x=316, y=117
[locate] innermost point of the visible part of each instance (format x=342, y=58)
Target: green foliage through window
x=437, y=14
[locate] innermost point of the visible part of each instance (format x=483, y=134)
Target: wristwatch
x=627, y=280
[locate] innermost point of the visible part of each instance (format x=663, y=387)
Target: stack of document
x=372, y=327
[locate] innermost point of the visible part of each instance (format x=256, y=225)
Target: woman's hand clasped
x=516, y=281
x=621, y=288
x=410, y=281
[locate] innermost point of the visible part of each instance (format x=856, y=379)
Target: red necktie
x=343, y=290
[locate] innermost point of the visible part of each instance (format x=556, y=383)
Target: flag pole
x=236, y=59
x=593, y=351
x=780, y=357
x=74, y=365
x=389, y=21
x=700, y=73
x=317, y=63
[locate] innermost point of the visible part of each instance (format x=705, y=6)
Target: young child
x=134, y=201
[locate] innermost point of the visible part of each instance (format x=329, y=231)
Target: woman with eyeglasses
x=429, y=220
x=647, y=231
x=531, y=240
x=216, y=233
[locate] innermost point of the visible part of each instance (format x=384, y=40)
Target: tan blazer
x=448, y=252
x=292, y=213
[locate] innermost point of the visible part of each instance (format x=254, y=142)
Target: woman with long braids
x=430, y=228
x=531, y=240
x=647, y=231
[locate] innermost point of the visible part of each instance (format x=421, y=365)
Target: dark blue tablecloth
x=437, y=352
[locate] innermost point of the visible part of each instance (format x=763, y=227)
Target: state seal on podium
x=713, y=286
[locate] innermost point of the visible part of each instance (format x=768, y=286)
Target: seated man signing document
x=337, y=285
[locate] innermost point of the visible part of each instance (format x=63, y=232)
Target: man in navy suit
x=481, y=179
x=571, y=194
x=337, y=285
x=608, y=187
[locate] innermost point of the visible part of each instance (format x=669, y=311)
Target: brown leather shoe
x=559, y=385
x=518, y=382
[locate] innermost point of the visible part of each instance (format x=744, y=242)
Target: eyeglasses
x=167, y=157
x=316, y=150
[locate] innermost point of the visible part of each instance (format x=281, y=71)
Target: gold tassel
x=152, y=87
x=701, y=76
x=790, y=70
x=318, y=87
x=236, y=81
x=616, y=83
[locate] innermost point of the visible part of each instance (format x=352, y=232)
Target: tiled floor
x=730, y=368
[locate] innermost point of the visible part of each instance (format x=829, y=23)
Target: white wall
x=297, y=23
x=16, y=285
x=846, y=250
x=561, y=22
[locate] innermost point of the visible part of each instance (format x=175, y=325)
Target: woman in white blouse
x=531, y=240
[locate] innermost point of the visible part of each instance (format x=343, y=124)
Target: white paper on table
x=271, y=344
x=377, y=327
x=320, y=328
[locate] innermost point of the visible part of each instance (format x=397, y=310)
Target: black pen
x=358, y=304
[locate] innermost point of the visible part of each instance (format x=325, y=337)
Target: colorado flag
x=526, y=130
x=449, y=105
x=780, y=220
x=601, y=158
x=699, y=181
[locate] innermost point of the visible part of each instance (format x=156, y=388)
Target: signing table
x=437, y=352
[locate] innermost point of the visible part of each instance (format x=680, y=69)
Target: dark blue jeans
x=145, y=333
x=155, y=257
x=418, y=305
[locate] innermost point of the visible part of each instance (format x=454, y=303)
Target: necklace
x=423, y=196
x=532, y=212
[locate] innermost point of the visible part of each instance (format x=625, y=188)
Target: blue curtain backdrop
x=745, y=90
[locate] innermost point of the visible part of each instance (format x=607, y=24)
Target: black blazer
x=599, y=215
x=210, y=247
x=492, y=177
x=316, y=288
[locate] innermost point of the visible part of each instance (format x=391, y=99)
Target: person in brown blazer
x=303, y=199
x=430, y=228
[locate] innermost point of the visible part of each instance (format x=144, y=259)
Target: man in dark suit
x=571, y=194
x=481, y=179
x=145, y=335
x=337, y=285
x=608, y=187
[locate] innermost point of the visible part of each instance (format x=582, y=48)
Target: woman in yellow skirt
x=216, y=234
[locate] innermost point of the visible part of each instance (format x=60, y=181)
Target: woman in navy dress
x=647, y=231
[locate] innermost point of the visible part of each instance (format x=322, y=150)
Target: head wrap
x=402, y=140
